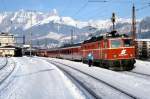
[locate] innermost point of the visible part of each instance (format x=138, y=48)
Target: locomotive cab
x=120, y=54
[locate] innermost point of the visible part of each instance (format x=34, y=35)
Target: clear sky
x=81, y=9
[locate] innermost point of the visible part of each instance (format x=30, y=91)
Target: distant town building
x=143, y=48
x=7, y=45
x=6, y=39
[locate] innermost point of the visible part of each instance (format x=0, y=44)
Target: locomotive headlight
x=115, y=56
x=131, y=55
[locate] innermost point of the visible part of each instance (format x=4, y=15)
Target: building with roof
x=7, y=45
x=143, y=48
x=7, y=39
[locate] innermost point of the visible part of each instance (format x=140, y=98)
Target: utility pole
x=31, y=36
x=71, y=43
x=38, y=43
x=24, y=39
x=58, y=27
x=113, y=19
x=46, y=43
x=71, y=36
x=133, y=30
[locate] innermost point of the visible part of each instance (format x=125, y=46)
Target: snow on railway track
x=80, y=84
x=142, y=67
x=6, y=69
x=136, y=86
x=3, y=62
x=102, y=88
x=141, y=70
x=137, y=74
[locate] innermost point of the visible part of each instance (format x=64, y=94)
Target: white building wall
x=7, y=40
x=143, y=45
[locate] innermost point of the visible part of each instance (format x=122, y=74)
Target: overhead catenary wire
x=99, y=13
x=81, y=8
x=104, y=1
x=88, y=2
x=97, y=1
x=66, y=6
x=144, y=7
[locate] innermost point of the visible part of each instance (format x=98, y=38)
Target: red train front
x=113, y=51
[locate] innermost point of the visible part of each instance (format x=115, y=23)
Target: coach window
x=127, y=42
x=69, y=51
x=115, y=43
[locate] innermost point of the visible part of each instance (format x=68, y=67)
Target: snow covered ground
x=34, y=78
x=7, y=67
x=142, y=67
x=2, y=61
x=136, y=86
x=37, y=78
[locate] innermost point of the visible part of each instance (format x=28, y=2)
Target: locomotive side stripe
x=120, y=58
x=108, y=48
x=120, y=47
x=91, y=49
x=71, y=47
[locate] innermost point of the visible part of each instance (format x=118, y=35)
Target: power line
x=89, y=1
x=97, y=14
x=80, y=9
x=66, y=6
x=97, y=1
x=144, y=7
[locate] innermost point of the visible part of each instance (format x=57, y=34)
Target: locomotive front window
x=127, y=42
x=115, y=43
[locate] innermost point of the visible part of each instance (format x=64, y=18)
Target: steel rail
x=102, y=81
x=140, y=73
x=1, y=81
x=4, y=64
x=91, y=92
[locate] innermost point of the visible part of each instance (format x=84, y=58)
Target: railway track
x=6, y=70
x=137, y=74
x=97, y=79
x=2, y=66
x=148, y=75
x=91, y=92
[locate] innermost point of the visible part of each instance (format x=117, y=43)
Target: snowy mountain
x=49, y=27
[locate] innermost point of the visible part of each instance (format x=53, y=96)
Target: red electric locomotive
x=112, y=51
